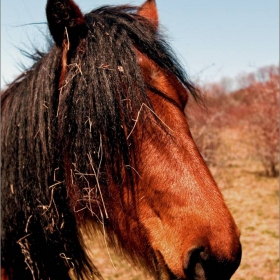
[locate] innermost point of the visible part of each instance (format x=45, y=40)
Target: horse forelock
x=104, y=93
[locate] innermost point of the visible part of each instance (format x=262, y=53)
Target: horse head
x=125, y=160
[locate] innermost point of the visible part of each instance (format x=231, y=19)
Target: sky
x=213, y=39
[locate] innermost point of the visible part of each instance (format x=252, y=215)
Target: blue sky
x=213, y=39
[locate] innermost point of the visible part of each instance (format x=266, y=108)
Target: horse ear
x=149, y=11
x=65, y=21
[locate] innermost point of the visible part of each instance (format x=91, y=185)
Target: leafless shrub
x=262, y=118
x=252, y=110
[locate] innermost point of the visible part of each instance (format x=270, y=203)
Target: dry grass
x=112, y=266
x=254, y=202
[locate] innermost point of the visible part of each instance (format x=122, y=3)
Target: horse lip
x=166, y=272
x=171, y=276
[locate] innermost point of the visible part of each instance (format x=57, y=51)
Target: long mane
x=85, y=124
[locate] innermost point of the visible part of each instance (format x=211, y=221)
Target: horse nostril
x=195, y=263
x=201, y=265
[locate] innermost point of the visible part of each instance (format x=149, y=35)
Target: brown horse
x=94, y=137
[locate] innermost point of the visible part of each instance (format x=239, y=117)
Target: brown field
x=254, y=202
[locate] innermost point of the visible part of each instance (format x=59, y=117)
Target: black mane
x=85, y=125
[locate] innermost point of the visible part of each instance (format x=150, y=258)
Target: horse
x=95, y=139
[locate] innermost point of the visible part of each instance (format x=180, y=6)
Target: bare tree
x=206, y=122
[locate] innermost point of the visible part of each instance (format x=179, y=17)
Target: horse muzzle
x=201, y=265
